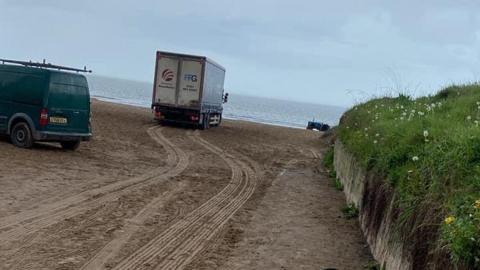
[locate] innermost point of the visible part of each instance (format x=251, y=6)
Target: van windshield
x=68, y=92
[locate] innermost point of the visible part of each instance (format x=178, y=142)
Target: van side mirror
x=225, y=98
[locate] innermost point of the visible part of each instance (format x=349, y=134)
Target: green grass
x=350, y=211
x=328, y=161
x=338, y=184
x=373, y=265
x=328, y=164
x=428, y=150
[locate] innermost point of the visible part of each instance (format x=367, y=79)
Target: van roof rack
x=44, y=65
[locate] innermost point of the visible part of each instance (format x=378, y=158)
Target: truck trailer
x=188, y=89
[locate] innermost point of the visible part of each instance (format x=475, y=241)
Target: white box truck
x=188, y=89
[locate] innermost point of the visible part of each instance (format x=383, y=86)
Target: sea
x=239, y=107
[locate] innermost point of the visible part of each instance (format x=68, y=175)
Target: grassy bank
x=428, y=150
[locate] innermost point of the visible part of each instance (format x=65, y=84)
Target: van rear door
x=68, y=104
x=166, y=78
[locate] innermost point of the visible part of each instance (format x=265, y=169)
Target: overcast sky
x=331, y=52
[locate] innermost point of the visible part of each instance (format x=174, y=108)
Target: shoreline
x=139, y=105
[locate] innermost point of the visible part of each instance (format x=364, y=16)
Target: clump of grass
x=428, y=150
x=350, y=211
x=328, y=164
x=338, y=184
x=328, y=159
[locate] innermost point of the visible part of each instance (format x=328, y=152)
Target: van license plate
x=58, y=120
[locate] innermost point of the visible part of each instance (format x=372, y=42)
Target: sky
x=327, y=52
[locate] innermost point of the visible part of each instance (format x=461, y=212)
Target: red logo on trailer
x=168, y=75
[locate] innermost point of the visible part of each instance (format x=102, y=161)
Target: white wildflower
x=425, y=133
x=377, y=135
x=375, y=141
x=415, y=158
x=469, y=117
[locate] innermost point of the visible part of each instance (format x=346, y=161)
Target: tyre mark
x=20, y=225
x=180, y=243
x=111, y=249
x=315, y=154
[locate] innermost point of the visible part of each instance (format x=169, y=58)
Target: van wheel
x=21, y=136
x=71, y=145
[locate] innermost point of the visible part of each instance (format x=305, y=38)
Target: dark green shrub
x=350, y=211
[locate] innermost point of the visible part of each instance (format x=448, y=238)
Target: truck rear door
x=190, y=83
x=166, y=80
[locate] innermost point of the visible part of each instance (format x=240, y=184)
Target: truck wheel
x=206, y=122
x=70, y=145
x=21, y=136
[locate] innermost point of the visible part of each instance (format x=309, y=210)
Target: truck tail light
x=194, y=118
x=158, y=114
x=43, y=117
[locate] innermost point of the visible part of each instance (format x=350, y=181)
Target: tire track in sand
x=111, y=249
x=20, y=225
x=178, y=245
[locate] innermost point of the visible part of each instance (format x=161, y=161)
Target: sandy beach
x=143, y=196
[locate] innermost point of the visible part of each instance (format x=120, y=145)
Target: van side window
x=22, y=87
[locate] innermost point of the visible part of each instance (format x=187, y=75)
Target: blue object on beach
x=318, y=126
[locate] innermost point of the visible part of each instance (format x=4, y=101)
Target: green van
x=38, y=104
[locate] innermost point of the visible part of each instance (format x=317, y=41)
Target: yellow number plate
x=58, y=120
